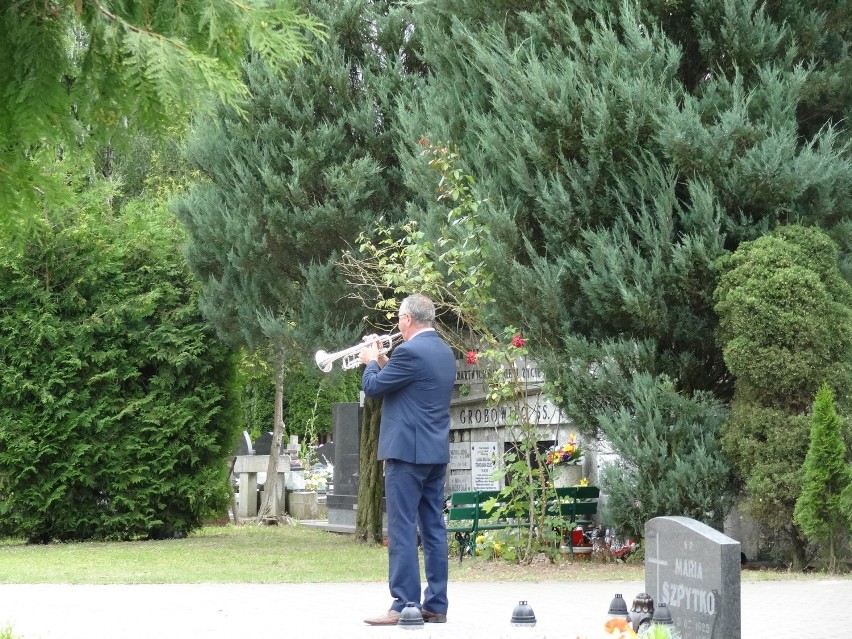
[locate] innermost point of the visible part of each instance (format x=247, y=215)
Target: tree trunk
x=270, y=489
x=368, y=525
x=799, y=554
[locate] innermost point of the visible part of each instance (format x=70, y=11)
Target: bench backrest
x=578, y=502
x=574, y=503
x=468, y=505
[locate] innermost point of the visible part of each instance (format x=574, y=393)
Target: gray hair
x=421, y=309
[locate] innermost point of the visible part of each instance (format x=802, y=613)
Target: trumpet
x=351, y=355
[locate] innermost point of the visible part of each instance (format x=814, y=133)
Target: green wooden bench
x=467, y=515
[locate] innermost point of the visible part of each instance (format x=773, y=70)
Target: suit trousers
x=414, y=497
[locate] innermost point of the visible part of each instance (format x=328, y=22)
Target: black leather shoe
x=433, y=617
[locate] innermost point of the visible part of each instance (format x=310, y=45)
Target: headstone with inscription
x=695, y=570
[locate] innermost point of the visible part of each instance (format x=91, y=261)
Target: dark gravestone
x=694, y=570
x=244, y=446
x=263, y=444
x=346, y=422
x=325, y=453
x=346, y=425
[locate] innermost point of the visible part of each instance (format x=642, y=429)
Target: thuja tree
x=612, y=186
x=785, y=314
x=114, y=419
x=819, y=512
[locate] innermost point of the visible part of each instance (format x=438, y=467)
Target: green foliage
x=619, y=151
x=785, y=323
x=75, y=72
x=670, y=459
x=114, y=418
x=291, y=184
x=310, y=394
x=785, y=317
x=766, y=448
x=818, y=511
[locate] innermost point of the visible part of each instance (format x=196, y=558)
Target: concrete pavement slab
x=777, y=609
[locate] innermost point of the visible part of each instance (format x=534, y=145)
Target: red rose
x=472, y=357
x=518, y=341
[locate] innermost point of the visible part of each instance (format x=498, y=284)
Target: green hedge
x=114, y=416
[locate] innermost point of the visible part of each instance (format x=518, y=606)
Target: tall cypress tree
x=622, y=151
x=818, y=509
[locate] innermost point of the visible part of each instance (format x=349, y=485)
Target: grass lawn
x=268, y=554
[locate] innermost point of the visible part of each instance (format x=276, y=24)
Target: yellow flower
x=584, y=481
x=480, y=539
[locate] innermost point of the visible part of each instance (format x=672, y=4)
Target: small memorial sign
x=483, y=464
x=459, y=455
x=694, y=570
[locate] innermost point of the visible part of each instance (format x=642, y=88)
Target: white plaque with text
x=459, y=455
x=483, y=458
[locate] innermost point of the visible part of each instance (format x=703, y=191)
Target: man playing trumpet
x=416, y=382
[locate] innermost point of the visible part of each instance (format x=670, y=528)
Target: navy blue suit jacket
x=416, y=384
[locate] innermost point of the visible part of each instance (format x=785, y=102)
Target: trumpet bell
x=324, y=362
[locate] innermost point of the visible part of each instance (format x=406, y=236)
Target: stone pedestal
x=247, y=468
x=567, y=475
x=303, y=504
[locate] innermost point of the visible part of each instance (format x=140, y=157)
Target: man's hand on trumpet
x=371, y=352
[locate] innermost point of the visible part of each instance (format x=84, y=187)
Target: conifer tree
x=818, y=510
x=297, y=180
x=114, y=393
x=623, y=148
x=785, y=315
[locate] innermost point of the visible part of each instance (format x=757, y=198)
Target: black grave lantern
x=662, y=615
x=642, y=611
x=410, y=618
x=618, y=607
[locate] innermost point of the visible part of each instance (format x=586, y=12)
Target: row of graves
x=300, y=490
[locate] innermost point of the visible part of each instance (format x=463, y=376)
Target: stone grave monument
x=346, y=429
x=694, y=570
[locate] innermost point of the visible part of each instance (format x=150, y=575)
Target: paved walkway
x=779, y=609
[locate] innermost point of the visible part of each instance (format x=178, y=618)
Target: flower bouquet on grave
x=563, y=463
x=569, y=453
